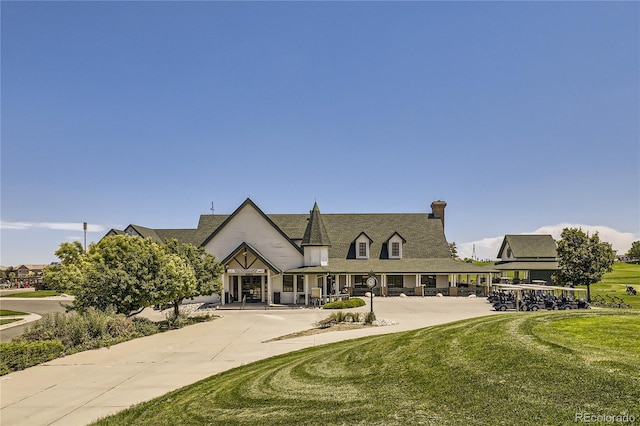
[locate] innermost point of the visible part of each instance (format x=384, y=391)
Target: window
x=395, y=281
x=287, y=283
x=360, y=281
x=394, y=246
x=428, y=281
x=300, y=283
x=362, y=249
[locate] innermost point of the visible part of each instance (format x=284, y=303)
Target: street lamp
x=84, y=225
x=371, y=283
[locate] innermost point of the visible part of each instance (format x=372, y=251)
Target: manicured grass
x=8, y=313
x=8, y=321
x=614, y=283
x=525, y=369
x=35, y=294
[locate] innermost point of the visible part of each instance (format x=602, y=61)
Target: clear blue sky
x=521, y=115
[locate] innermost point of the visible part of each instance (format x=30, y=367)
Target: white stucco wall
x=442, y=281
x=409, y=281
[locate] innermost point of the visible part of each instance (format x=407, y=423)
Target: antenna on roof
x=212, y=208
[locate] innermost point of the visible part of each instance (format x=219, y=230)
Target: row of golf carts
x=534, y=297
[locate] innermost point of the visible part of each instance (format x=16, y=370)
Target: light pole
x=371, y=283
x=84, y=225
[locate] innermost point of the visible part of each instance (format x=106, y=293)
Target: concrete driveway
x=80, y=388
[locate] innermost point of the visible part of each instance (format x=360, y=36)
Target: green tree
x=205, y=269
x=69, y=274
x=179, y=281
x=634, y=251
x=123, y=272
x=582, y=260
x=454, y=250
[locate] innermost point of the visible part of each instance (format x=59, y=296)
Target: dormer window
x=394, y=245
x=362, y=246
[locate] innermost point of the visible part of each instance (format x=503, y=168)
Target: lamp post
x=84, y=225
x=371, y=283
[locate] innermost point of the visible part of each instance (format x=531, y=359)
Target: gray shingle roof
x=400, y=266
x=316, y=232
x=534, y=246
x=424, y=236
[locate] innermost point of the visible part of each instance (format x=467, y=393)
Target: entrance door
x=252, y=288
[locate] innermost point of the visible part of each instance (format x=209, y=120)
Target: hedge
x=345, y=304
x=20, y=355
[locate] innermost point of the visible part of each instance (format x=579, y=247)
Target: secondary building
x=296, y=258
x=529, y=258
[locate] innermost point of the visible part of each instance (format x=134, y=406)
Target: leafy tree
x=130, y=273
x=582, y=260
x=179, y=281
x=634, y=251
x=454, y=250
x=205, y=270
x=123, y=272
x=69, y=274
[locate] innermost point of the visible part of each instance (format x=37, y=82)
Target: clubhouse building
x=301, y=258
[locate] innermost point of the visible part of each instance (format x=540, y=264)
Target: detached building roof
x=533, y=246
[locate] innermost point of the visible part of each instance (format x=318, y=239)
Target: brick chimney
x=437, y=210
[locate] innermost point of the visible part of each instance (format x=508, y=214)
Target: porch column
x=453, y=280
x=225, y=287
x=295, y=288
x=268, y=288
x=306, y=290
x=324, y=286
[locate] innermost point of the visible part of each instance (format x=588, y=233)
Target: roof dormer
x=394, y=246
x=362, y=245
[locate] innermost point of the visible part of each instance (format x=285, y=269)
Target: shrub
x=354, y=302
x=369, y=318
x=177, y=321
x=144, y=326
x=20, y=355
x=338, y=316
x=91, y=329
x=352, y=317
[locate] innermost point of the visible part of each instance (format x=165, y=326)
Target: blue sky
x=523, y=116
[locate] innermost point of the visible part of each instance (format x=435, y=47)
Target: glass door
x=252, y=288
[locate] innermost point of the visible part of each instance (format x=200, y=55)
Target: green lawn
x=614, y=283
x=8, y=313
x=525, y=369
x=8, y=321
x=35, y=294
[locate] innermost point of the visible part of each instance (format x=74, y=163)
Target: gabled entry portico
x=247, y=276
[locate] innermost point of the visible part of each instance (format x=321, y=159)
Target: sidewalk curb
x=24, y=320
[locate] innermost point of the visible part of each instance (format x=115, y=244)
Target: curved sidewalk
x=80, y=388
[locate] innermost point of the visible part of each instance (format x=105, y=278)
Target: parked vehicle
x=533, y=297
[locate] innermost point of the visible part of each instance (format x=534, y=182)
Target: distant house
x=289, y=258
x=529, y=257
x=30, y=272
